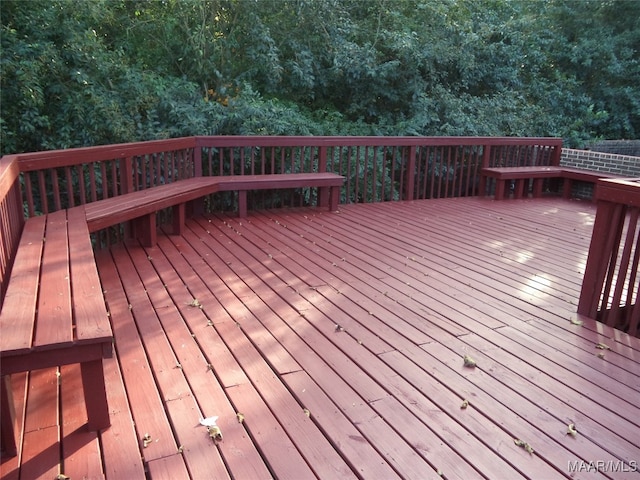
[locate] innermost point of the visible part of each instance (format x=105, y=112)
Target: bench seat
x=521, y=176
x=143, y=204
x=54, y=313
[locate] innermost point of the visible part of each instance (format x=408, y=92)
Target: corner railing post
x=612, y=267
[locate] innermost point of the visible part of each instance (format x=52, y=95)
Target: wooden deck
x=339, y=338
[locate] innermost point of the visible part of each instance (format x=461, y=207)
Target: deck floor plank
x=120, y=445
x=462, y=443
x=265, y=380
x=413, y=286
x=145, y=398
x=81, y=449
x=353, y=404
x=10, y=466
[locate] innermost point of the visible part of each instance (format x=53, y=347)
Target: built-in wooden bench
x=522, y=175
x=54, y=313
x=143, y=205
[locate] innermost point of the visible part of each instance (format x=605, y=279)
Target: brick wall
x=603, y=162
x=621, y=147
x=624, y=165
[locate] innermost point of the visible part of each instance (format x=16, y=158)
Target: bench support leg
x=179, y=214
x=95, y=395
x=334, y=198
x=520, y=189
x=242, y=203
x=500, y=184
x=146, y=230
x=7, y=417
x=537, y=187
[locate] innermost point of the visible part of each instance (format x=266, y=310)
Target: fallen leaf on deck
x=603, y=346
x=571, y=430
x=307, y=412
x=215, y=433
x=465, y=404
x=240, y=417
x=146, y=440
x=339, y=328
x=600, y=355
x=214, y=430
x=62, y=476
x=469, y=362
x=195, y=303
x=576, y=322
x=524, y=445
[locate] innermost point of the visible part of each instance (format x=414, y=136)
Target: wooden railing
x=379, y=168
x=11, y=216
x=376, y=169
x=611, y=280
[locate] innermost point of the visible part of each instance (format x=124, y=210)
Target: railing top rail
x=619, y=190
x=74, y=156
x=330, y=141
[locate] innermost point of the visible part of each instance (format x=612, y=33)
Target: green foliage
x=85, y=73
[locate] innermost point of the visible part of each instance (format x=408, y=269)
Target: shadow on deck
x=331, y=346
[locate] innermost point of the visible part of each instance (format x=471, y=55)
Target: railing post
x=323, y=193
x=556, y=156
x=126, y=175
x=409, y=191
x=197, y=160
x=486, y=155
x=323, y=153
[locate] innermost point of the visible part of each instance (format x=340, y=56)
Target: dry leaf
x=469, y=362
x=240, y=417
x=465, y=404
x=195, y=303
x=146, y=440
x=62, y=476
x=576, y=322
x=524, y=445
x=600, y=355
x=215, y=433
x=603, y=346
x=571, y=430
x=307, y=412
x=339, y=328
